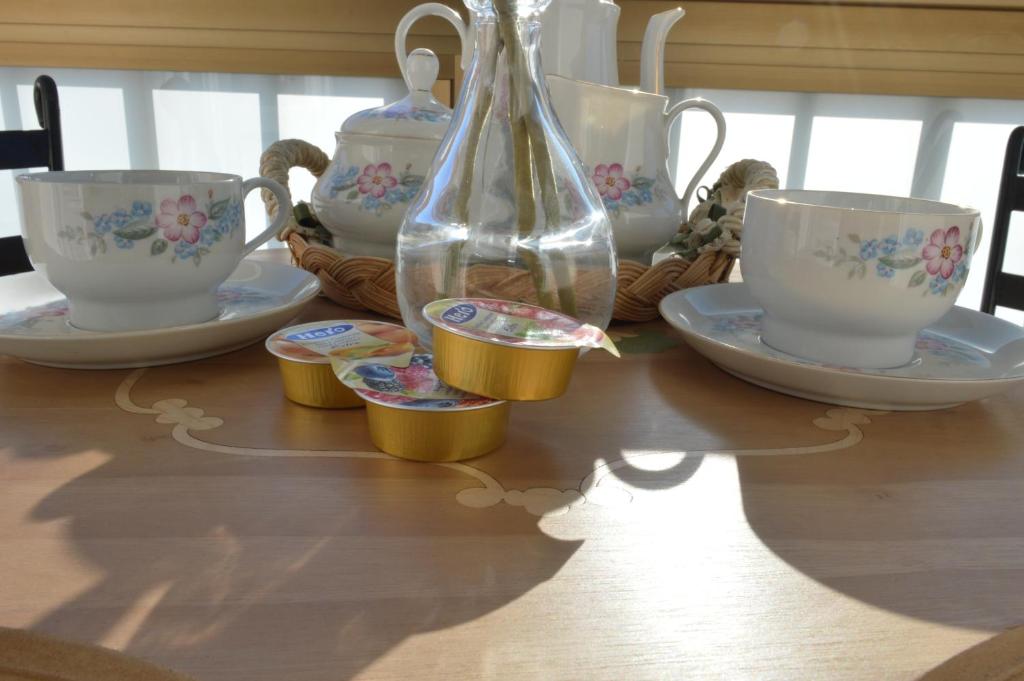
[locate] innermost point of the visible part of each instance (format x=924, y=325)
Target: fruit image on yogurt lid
x=415, y=386
x=514, y=324
x=342, y=340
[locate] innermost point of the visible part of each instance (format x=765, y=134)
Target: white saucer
x=259, y=298
x=966, y=355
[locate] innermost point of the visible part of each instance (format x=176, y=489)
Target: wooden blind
x=915, y=47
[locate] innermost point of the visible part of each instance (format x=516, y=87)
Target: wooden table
x=662, y=520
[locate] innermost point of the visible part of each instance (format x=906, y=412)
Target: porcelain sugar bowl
x=379, y=164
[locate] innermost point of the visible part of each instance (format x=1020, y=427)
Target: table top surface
x=661, y=520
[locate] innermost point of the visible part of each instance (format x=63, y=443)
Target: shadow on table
x=917, y=519
x=220, y=565
x=235, y=567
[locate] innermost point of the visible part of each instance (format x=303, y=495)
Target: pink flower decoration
x=180, y=219
x=376, y=180
x=943, y=252
x=609, y=180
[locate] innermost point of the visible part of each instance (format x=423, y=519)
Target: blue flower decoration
x=869, y=249
x=960, y=273
x=888, y=246
x=123, y=243
x=103, y=224
x=938, y=285
x=884, y=270
x=184, y=250
x=913, y=237
x=141, y=209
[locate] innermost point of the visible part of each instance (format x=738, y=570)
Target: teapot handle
x=697, y=103
x=417, y=13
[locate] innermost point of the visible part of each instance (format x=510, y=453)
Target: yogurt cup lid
x=515, y=324
x=414, y=386
x=344, y=341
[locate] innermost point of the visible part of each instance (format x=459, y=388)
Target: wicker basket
x=367, y=283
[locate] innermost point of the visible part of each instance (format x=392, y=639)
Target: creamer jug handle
x=675, y=111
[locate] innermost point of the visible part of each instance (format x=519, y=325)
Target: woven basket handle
x=277, y=160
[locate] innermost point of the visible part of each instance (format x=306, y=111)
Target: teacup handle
x=284, y=211
x=675, y=111
x=417, y=13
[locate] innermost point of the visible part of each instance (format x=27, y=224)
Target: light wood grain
x=878, y=561
x=947, y=48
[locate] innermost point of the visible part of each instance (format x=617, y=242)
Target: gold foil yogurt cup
x=412, y=414
x=506, y=350
x=305, y=353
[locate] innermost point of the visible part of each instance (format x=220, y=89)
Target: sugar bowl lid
x=418, y=115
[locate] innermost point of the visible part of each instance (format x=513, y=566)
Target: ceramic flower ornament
x=181, y=219
x=943, y=252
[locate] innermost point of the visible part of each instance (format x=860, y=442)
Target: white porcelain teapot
x=579, y=42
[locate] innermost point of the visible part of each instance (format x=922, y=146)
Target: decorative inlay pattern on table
x=593, y=488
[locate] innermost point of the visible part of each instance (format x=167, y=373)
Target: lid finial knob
x=421, y=67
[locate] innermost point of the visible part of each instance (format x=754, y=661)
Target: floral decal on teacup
x=179, y=221
x=618, y=191
x=374, y=186
x=942, y=258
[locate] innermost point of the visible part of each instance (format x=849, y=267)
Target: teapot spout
x=652, y=53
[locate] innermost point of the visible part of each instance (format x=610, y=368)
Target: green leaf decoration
x=197, y=259
x=917, y=279
x=135, y=230
x=218, y=209
x=413, y=180
x=716, y=211
x=712, y=234
x=97, y=244
x=644, y=183
x=899, y=263
x=855, y=238
x=158, y=247
x=87, y=216
x=351, y=196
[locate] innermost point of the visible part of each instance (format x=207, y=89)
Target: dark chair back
x=31, y=149
x=1002, y=288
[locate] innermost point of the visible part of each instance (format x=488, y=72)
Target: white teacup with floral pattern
x=850, y=279
x=140, y=249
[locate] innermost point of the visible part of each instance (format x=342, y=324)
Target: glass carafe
x=506, y=210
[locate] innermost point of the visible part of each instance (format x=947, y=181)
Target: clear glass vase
x=506, y=210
